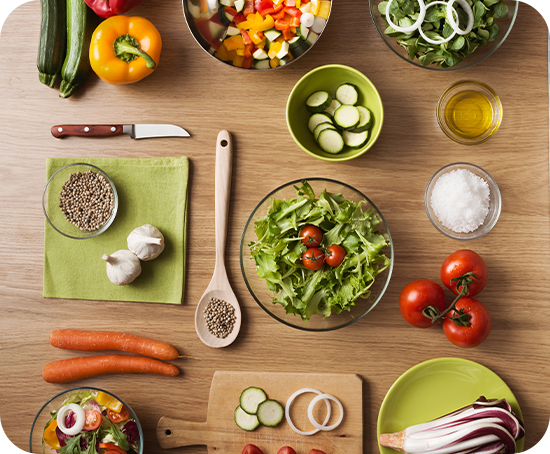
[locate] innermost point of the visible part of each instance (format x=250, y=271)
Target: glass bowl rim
x=140, y=430
x=104, y=226
x=453, y=68
x=498, y=204
x=390, y=268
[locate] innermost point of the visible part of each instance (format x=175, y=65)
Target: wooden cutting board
x=221, y=435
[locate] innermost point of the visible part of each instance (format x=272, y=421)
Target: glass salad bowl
x=44, y=418
x=213, y=25
x=327, y=284
x=474, y=52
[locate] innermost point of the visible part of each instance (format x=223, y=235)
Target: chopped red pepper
x=279, y=7
x=295, y=21
x=283, y=24
x=246, y=37
x=239, y=18
x=287, y=34
x=260, y=5
x=247, y=62
x=230, y=10
x=278, y=15
x=248, y=48
x=265, y=12
x=293, y=11
x=248, y=7
x=290, y=2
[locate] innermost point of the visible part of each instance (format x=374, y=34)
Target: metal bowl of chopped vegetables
x=88, y=416
x=80, y=201
x=431, y=35
x=256, y=34
x=282, y=264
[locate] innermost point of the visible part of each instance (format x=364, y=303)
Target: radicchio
x=131, y=431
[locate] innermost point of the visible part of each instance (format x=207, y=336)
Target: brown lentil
x=86, y=200
x=220, y=317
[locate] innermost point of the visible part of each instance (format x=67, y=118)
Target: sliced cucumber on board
x=245, y=420
x=270, y=413
x=250, y=399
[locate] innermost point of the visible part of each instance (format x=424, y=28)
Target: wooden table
x=193, y=90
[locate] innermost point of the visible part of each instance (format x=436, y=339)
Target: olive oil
x=469, y=114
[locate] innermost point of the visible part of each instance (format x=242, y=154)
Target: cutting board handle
x=174, y=433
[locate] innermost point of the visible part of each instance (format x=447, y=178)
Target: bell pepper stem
x=127, y=49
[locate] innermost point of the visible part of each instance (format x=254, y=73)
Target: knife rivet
x=86, y=129
x=59, y=129
x=113, y=129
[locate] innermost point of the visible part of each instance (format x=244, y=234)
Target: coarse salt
x=460, y=200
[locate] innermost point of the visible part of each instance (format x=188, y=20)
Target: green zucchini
x=270, y=413
x=53, y=38
x=81, y=23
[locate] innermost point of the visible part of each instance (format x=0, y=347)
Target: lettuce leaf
x=278, y=250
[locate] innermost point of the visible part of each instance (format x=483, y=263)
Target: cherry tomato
x=286, y=450
x=335, y=255
x=458, y=264
x=112, y=448
x=417, y=296
x=252, y=449
x=313, y=259
x=92, y=421
x=480, y=324
x=311, y=235
x=115, y=417
x=316, y=451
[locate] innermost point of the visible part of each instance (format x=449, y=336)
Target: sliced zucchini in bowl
x=330, y=141
x=365, y=123
x=347, y=94
x=317, y=118
x=318, y=101
x=347, y=117
x=355, y=139
x=321, y=127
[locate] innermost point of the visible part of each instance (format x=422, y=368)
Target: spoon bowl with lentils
x=80, y=201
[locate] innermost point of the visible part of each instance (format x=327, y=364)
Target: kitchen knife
x=134, y=131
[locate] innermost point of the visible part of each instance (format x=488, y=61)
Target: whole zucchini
x=53, y=39
x=81, y=23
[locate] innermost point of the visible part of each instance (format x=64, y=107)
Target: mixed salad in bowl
x=91, y=422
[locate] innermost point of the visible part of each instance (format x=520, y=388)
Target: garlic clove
x=146, y=242
x=122, y=267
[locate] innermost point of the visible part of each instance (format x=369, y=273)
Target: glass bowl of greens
x=316, y=254
x=80, y=417
x=444, y=35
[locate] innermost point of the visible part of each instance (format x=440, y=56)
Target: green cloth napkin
x=150, y=191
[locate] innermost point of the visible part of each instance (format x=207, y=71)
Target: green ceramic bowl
x=329, y=78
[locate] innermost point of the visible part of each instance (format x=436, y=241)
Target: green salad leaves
x=404, y=13
x=279, y=249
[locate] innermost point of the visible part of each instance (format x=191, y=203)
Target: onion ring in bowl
x=444, y=40
x=468, y=9
x=79, y=416
x=413, y=27
x=312, y=419
x=289, y=403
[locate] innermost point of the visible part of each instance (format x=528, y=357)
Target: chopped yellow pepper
x=263, y=25
x=235, y=42
x=298, y=4
x=274, y=62
x=261, y=45
x=240, y=52
x=255, y=38
x=109, y=401
x=275, y=48
x=238, y=61
x=50, y=437
x=324, y=9
x=311, y=7
x=245, y=24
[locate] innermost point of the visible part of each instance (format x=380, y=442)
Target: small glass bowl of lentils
x=80, y=201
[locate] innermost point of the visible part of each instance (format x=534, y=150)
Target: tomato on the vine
x=416, y=297
x=311, y=235
x=92, y=420
x=335, y=255
x=115, y=417
x=458, y=264
x=479, y=323
x=313, y=259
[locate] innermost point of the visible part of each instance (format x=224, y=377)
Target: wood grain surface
x=194, y=91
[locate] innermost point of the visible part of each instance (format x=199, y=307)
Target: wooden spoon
x=219, y=286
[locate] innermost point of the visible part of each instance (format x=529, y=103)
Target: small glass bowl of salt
x=462, y=201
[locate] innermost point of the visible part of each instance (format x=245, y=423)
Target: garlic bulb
x=146, y=242
x=122, y=267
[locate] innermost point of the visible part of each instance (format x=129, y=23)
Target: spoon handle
x=224, y=158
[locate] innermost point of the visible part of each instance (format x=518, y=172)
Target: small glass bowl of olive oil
x=469, y=112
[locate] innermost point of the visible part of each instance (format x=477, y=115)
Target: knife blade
x=134, y=131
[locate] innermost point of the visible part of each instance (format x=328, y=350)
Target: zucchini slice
x=270, y=413
x=333, y=106
x=244, y=420
x=347, y=117
x=355, y=139
x=347, y=94
x=317, y=118
x=331, y=141
x=318, y=101
x=321, y=127
x=250, y=399
x=365, y=123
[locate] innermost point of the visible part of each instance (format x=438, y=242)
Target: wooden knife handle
x=174, y=433
x=59, y=131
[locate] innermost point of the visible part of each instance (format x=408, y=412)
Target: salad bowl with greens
x=311, y=292
x=86, y=421
x=430, y=34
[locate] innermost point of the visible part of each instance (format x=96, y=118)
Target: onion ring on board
x=289, y=403
x=444, y=40
x=468, y=9
x=413, y=27
x=323, y=426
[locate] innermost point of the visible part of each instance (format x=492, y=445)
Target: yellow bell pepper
x=264, y=25
x=125, y=49
x=109, y=401
x=324, y=9
x=50, y=437
x=238, y=61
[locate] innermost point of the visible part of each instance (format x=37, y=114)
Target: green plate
x=436, y=387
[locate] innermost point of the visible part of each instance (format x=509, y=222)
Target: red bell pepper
x=230, y=10
x=293, y=11
x=279, y=15
x=248, y=7
x=248, y=48
x=290, y=3
x=247, y=62
x=246, y=37
x=108, y=8
x=265, y=12
x=295, y=21
x=287, y=34
x=261, y=5
x=238, y=18
x=283, y=24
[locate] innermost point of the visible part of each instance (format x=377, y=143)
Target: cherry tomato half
x=252, y=449
x=458, y=264
x=335, y=255
x=313, y=259
x=115, y=417
x=316, y=451
x=112, y=448
x=416, y=297
x=92, y=420
x=480, y=324
x=286, y=450
x=311, y=235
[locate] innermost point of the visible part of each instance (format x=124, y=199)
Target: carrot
x=70, y=339
x=68, y=370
